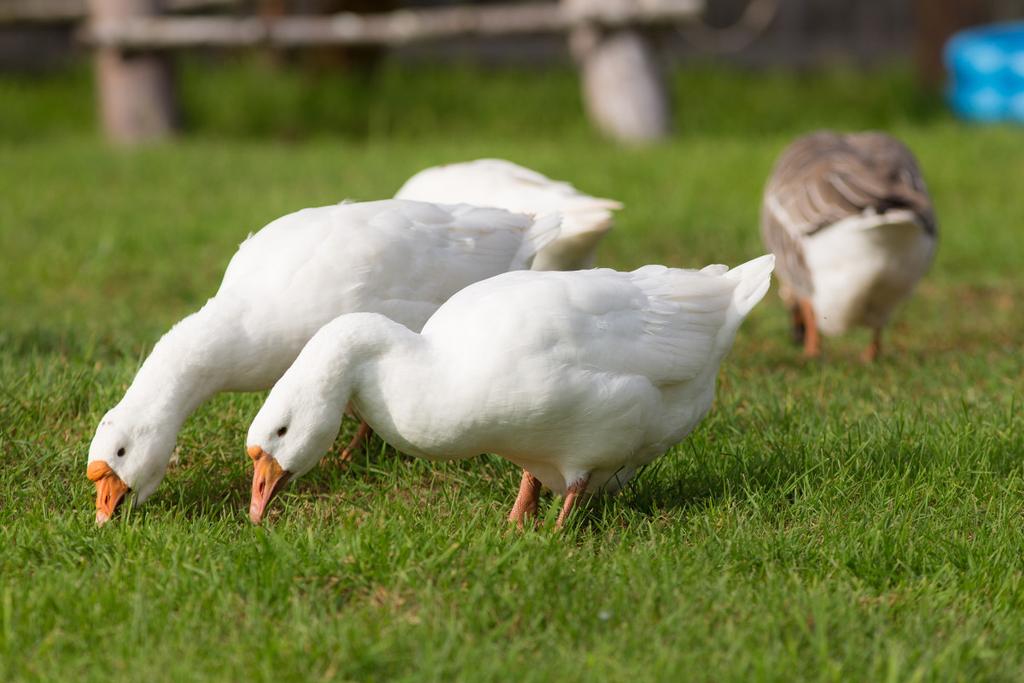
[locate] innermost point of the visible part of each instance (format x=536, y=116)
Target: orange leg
x=874, y=349
x=526, y=502
x=812, y=342
x=570, y=500
x=362, y=434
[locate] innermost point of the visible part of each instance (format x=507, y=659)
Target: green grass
x=828, y=521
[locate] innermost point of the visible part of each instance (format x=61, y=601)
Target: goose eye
x=120, y=452
x=282, y=431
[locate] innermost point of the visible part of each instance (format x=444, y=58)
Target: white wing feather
x=664, y=324
x=402, y=258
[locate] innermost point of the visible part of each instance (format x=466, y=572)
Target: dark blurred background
x=39, y=34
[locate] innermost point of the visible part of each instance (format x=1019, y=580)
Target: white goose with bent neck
x=579, y=377
x=399, y=258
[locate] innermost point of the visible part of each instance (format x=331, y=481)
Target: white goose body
x=576, y=377
x=399, y=258
x=500, y=183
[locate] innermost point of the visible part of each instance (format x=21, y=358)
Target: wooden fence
x=624, y=89
x=59, y=11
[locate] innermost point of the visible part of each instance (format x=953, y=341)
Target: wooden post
x=624, y=87
x=935, y=22
x=136, y=88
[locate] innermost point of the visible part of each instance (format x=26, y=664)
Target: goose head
x=127, y=455
x=302, y=415
x=294, y=428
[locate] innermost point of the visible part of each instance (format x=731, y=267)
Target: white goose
x=579, y=378
x=397, y=258
x=851, y=222
x=500, y=183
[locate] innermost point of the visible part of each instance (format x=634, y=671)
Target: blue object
x=986, y=71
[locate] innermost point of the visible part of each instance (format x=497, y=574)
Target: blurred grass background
x=827, y=522
x=244, y=97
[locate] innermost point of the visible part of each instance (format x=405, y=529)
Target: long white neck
x=348, y=355
x=194, y=360
x=409, y=391
x=383, y=368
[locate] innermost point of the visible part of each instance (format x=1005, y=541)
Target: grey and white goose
x=853, y=229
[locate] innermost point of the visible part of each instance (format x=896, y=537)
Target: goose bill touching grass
x=398, y=258
x=577, y=377
x=850, y=220
x=500, y=183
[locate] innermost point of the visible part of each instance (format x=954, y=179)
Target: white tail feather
x=754, y=278
x=585, y=214
x=544, y=230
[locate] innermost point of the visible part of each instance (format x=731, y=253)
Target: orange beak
x=110, y=490
x=267, y=479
